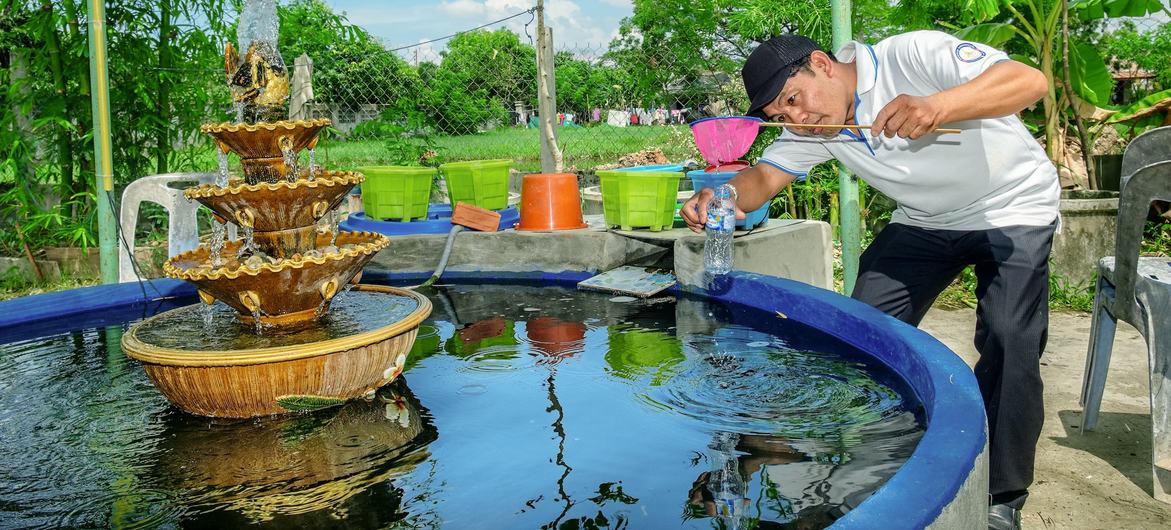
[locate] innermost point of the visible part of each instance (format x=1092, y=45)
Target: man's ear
x=820, y=61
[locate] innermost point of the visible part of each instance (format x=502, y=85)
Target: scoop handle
x=840, y=126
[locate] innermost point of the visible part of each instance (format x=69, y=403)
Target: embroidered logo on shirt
x=969, y=53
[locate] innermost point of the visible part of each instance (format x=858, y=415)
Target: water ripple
x=501, y=358
x=775, y=391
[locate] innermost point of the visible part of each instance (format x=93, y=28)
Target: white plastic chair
x=1137, y=290
x=165, y=190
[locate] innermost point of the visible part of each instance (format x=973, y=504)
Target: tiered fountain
x=284, y=351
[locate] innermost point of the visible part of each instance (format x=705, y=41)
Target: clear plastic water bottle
x=721, y=222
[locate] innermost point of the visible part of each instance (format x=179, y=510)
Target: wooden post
x=301, y=88
x=547, y=95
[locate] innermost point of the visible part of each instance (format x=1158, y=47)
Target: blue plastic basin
x=438, y=221
x=701, y=179
x=658, y=167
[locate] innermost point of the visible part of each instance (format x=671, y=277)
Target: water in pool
x=521, y=407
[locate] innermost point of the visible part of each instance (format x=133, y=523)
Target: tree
x=159, y=90
x=351, y=68
x=581, y=84
x=683, y=50
x=1127, y=47
x=1038, y=23
x=481, y=75
x=496, y=62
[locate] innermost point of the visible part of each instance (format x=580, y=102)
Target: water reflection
x=319, y=467
x=555, y=340
x=788, y=417
x=545, y=408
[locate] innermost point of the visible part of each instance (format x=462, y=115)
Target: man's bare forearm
x=759, y=184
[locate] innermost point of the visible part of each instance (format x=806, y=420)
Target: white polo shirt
x=993, y=174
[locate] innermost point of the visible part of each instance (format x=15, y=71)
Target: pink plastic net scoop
x=726, y=138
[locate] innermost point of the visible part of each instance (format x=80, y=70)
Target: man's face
x=812, y=97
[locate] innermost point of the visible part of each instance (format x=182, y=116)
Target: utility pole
x=103, y=157
x=547, y=95
x=850, y=224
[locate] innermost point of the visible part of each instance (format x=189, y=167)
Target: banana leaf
x=1088, y=74
x=1152, y=104
x=994, y=34
x=1095, y=9
x=981, y=9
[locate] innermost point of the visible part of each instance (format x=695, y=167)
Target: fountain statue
x=290, y=346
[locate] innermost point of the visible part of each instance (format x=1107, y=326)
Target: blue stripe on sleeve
x=799, y=174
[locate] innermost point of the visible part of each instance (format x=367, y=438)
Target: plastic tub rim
x=916, y=495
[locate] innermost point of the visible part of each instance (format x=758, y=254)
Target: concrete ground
x=1100, y=479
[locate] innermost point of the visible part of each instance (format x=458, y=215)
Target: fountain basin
x=275, y=210
x=241, y=383
x=288, y=292
x=261, y=146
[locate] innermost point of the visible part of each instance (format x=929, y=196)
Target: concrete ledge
x=570, y=250
x=1088, y=227
x=794, y=249
x=799, y=250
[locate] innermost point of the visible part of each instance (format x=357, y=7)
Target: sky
x=576, y=24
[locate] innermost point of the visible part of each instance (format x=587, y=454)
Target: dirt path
x=1098, y=480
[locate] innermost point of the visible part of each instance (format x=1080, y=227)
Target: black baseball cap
x=770, y=65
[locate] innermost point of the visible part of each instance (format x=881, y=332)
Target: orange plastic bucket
x=550, y=201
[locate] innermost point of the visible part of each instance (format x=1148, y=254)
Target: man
x=986, y=197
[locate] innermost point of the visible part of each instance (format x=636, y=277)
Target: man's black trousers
x=905, y=269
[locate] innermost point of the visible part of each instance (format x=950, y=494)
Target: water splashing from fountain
x=222, y=178
x=334, y=221
x=258, y=22
x=259, y=324
x=218, y=234
x=312, y=162
x=208, y=314
x=248, y=247
x=259, y=80
x=290, y=164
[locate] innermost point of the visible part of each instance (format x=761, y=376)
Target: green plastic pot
x=396, y=192
x=639, y=199
x=483, y=183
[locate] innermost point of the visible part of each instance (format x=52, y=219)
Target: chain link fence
x=478, y=100
x=627, y=102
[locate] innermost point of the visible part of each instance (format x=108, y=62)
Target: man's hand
x=694, y=211
x=908, y=117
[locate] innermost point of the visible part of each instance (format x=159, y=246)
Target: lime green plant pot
x=639, y=199
x=483, y=183
x=396, y=192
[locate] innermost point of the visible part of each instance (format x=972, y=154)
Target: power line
x=525, y=12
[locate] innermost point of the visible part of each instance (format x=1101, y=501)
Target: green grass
x=582, y=148
x=1063, y=293
x=12, y=286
